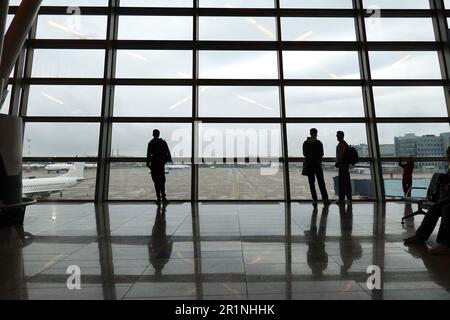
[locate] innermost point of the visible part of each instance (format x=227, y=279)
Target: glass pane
x=131, y=139
x=4, y=109
x=238, y=65
x=42, y=181
x=145, y=101
x=397, y=4
x=410, y=102
x=237, y=3
x=355, y=134
x=399, y=29
x=415, y=139
x=71, y=27
x=405, y=65
x=73, y=3
x=69, y=63
x=422, y=175
x=326, y=4
x=132, y=181
x=155, y=28
x=65, y=101
x=239, y=102
x=239, y=140
x=361, y=178
x=238, y=28
x=156, y=3
x=154, y=64
x=241, y=181
x=318, y=29
x=324, y=102
x=61, y=140
x=321, y=65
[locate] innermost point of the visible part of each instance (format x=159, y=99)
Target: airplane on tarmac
x=176, y=166
x=58, y=167
x=65, y=167
x=42, y=188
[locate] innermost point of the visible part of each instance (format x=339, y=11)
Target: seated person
x=440, y=210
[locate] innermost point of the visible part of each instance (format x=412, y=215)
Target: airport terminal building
x=234, y=88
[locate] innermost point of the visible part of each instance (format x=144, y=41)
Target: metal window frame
x=110, y=45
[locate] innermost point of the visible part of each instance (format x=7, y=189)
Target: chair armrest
x=414, y=200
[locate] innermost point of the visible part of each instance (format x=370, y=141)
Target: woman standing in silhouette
x=407, y=180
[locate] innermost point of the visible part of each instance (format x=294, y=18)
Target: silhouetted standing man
x=158, y=154
x=345, y=185
x=313, y=152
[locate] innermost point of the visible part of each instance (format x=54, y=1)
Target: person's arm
x=149, y=155
x=321, y=152
x=305, y=151
x=169, y=156
x=340, y=151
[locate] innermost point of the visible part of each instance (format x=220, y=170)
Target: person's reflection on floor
x=317, y=257
x=437, y=266
x=350, y=249
x=160, y=247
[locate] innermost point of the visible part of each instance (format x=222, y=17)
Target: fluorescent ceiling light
x=52, y=98
x=254, y=102
x=66, y=29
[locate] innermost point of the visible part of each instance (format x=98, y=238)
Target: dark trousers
x=317, y=172
x=345, y=185
x=407, y=184
x=440, y=209
x=159, y=179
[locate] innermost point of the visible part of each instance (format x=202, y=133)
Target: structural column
x=369, y=102
x=104, y=151
x=284, y=137
x=442, y=34
x=195, y=161
x=4, y=6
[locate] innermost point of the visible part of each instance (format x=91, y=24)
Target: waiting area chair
x=423, y=203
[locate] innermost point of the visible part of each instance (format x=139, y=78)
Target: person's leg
x=348, y=185
x=156, y=183
x=342, y=184
x=312, y=185
x=407, y=184
x=321, y=182
x=429, y=222
x=444, y=230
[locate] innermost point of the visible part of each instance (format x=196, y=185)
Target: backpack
x=351, y=155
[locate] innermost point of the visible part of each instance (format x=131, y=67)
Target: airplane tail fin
x=77, y=171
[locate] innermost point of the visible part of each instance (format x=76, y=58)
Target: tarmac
x=239, y=183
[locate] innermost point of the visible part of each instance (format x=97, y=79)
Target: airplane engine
x=11, y=129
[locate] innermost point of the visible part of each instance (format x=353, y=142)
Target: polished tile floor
x=218, y=251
